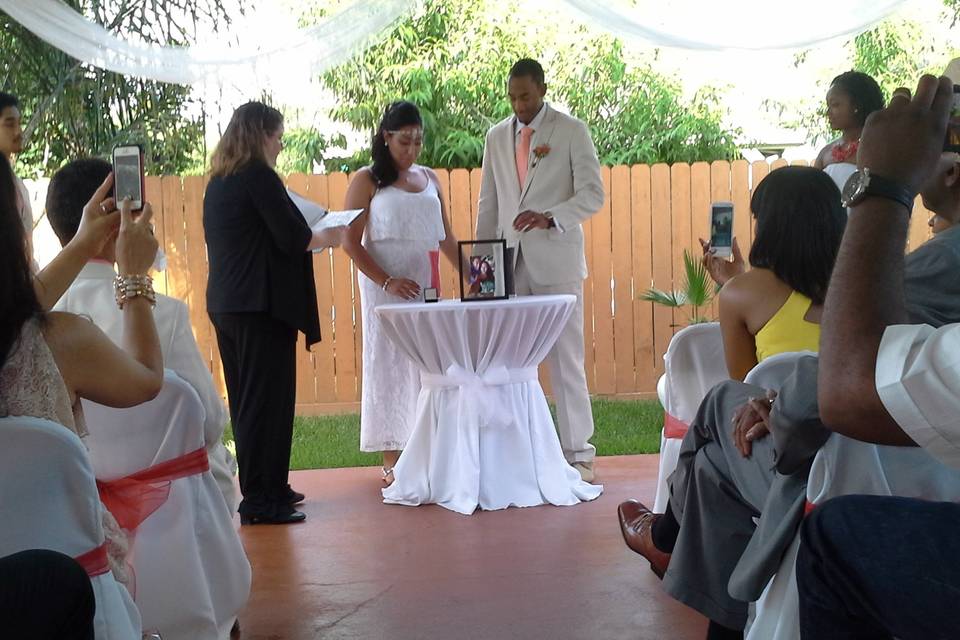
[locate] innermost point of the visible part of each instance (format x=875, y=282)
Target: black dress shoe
x=287, y=518
x=294, y=497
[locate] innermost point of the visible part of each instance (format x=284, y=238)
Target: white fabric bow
x=479, y=397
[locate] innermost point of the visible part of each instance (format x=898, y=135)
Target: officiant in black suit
x=260, y=293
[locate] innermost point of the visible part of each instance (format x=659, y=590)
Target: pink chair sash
x=94, y=562
x=674, y=428
x=134, y=498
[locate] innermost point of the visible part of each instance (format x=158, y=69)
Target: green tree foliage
x=303, y=149
x=72, y=109
x=452, y=57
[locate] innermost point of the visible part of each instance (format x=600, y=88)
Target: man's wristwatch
x=863, y=184
x=551, y=223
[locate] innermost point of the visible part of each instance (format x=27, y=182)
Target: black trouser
x=880, y=567
x=45, y=594
x=260, y=369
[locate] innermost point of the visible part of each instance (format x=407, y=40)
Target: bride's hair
x=397, y=115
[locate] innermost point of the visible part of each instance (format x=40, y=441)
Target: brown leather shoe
x=636, y=525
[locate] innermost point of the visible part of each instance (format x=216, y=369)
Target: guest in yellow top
x=775, y=307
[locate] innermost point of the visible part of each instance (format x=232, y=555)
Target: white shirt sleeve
x=918, y=380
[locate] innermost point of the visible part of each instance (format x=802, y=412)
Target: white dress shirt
x=918, y=379
x=92, y=295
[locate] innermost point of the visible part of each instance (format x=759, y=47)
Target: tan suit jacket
x=565, y=183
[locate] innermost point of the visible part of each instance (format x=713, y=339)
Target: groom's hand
x=532, y=220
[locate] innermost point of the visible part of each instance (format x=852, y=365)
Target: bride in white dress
x=403, y=222
x=851, y=98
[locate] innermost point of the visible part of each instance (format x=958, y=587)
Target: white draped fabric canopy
x=690, y=24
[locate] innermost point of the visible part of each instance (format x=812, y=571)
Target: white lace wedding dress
x=402, y=229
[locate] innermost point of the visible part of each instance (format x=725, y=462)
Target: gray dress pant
x=715, y=493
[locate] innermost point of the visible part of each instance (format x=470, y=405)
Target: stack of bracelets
x=129, y=287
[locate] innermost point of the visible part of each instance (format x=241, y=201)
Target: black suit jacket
x=257, y=250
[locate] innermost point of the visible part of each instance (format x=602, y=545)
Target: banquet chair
x=845, y=466
x=48, y=500
x=771, y=373
x=693, y=364
x=192, y=576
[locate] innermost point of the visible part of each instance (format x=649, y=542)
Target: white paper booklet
x=319, y=218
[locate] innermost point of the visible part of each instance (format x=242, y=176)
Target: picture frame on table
x=483, y=270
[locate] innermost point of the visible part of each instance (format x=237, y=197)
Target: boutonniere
x=539, y=152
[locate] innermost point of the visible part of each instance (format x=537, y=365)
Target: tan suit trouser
x=567, y=375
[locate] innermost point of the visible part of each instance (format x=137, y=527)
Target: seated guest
x=775, y=307
x=92, y=295
x=726, y=478
x=851, y=98
x=885, y=567
x=49, y=361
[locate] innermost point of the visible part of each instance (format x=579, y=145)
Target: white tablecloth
x=483, y=435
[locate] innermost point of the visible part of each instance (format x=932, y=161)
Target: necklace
x=845, y=151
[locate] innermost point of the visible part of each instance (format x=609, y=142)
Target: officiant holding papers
x=260, y=293
x=541, y=180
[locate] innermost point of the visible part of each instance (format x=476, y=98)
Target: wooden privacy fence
x=636, y=240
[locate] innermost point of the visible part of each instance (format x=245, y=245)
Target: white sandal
x=387, y=473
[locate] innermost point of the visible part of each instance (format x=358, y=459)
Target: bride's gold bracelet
x=128, y=287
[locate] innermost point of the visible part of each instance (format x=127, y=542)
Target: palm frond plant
x=697, y=291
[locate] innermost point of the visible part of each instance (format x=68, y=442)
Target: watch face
x=854, y=188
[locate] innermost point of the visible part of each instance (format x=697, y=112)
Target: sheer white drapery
x=741, y=24
x=300, y=54
x=314, y=49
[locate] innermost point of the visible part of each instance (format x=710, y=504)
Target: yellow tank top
x=787, y=330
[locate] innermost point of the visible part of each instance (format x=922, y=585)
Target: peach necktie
x=523, y=155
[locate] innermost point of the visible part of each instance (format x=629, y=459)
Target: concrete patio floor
x=361, y=569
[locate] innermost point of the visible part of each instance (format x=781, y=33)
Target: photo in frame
x=483, y=266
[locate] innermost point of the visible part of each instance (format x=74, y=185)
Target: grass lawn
x=325, y=442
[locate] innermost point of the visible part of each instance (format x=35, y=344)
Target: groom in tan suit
x=541, y=179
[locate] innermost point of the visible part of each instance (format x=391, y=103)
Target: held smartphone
x=721, y=229
x=952, y=142
x=128, y=175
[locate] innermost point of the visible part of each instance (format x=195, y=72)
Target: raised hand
x=99, y=222
x=136, y=244
x=721, y=270
x=903, y=142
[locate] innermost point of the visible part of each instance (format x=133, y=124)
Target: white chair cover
x=192, y=575
x=693, y=364
x=48, y=500
x=844, y=466
x=771, y=373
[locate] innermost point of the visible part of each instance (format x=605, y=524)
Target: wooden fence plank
x=345, y=351
x=681, y=230
x=153, y=193
x=660, y=248
x=589, y=359
x=700, y=202
x=602, y=298
x=622, y=249
x=323, y=358
x=649, y=365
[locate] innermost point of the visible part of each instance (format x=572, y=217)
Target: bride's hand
x=403, y=288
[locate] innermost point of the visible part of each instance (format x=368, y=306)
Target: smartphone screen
x=128, y=175
x=721, y=228
x=952, y=143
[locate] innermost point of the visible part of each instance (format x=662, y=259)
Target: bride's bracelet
x=129, y=287
x=386, y=283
